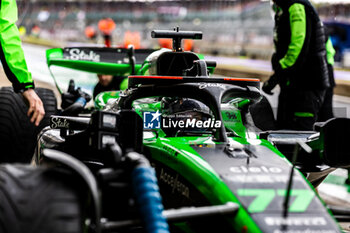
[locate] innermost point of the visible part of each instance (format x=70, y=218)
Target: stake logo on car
x=205, y=85
x=77, y=54
x=57, y=123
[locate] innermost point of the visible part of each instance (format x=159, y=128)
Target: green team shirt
x=330, y=52
x=11, y=52
x=297, y=19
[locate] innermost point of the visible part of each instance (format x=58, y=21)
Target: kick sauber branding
x=154, y=120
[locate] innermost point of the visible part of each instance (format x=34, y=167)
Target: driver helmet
x=177, y=109
x=185, y=106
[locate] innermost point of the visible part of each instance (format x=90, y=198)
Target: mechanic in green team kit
x=13, y=61
x=299, y=64
x=326, y=111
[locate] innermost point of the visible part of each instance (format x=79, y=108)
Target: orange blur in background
x=90, y=32
x=132, y=38
x=168, y=44
x=106, y=26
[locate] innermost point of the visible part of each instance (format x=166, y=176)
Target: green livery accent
x=304, y=114
x=303, y=198
x=232, y=120
x=55, y=57
x=205, y=168
x=124, y=84
x=197, y=171
x=102, y=98
x=262, y=200
x=210, y=68
x=190, y=167
x=145, y=68
x=264, y=197
x=298, y=34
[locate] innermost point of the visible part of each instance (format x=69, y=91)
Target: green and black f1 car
x=216, y=171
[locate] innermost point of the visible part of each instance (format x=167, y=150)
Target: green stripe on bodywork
x=304, y=114
x=55, y=57
x=298, y=33
x=303, y=198
x=198, y=171
x=124, y=84
x=262, y=200
x=264, y=197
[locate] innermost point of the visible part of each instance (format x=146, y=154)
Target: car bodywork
x=231, y=163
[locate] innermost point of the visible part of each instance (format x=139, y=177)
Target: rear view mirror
x=334, y=138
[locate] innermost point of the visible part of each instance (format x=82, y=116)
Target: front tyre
x=38, y=200
x=17, y=134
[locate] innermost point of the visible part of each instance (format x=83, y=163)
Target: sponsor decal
x=231, y=116
x=191, y=123
x=151, y=120
x=171, y=150
x=108, y=139
x=295, y=221
x=205, y=85
x=268, y=179
x=109, y=121
x=77, y=54
x=264, y=197
x=305, y=231
x=174, y=182
x=259, y=170
x=59, y=123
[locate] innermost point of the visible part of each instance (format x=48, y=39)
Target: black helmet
x=184, y=109
x=172, y=106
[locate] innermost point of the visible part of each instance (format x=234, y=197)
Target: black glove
x=69, y=97
x=270, y=84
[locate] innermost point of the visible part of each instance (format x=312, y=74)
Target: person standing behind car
x=326, y=111
x=108, y=82
x=299, y=64
x=13, y=61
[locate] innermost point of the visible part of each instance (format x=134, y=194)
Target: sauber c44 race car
x=177, y=151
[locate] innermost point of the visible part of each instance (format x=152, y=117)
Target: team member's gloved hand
x=270, y=84
x=69, y=97
x=276, y=65
x=36, y=108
